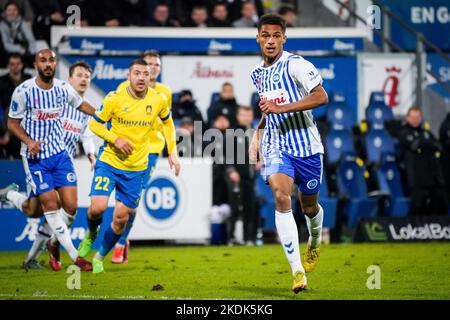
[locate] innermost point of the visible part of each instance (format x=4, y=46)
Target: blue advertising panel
x=339, y=77
x=204, y=45
x=429, y=17
x=17, y=232
x=441, y=68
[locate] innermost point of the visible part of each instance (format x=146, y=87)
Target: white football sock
x=61, y=231
x=16, y=198
x=288, y=234
x=68, y=220
x=315, y=228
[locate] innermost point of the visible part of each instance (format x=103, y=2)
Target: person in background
x=420, y=152
x=226, y=105
x=249, y=17
x=198, y=18
x=444, y=137
x=289, y=15
x=25, y=10
x=8, y=83
x=16, y=35
x=161, y=17
x=47, y=14
x=219, y=16
x=186, y=107
x=241, y=175
x=189, y=144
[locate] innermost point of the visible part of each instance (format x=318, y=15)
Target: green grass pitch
x=408, y=271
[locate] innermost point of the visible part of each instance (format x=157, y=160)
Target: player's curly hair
x=274, y=19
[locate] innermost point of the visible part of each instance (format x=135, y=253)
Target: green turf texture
x=408, y=271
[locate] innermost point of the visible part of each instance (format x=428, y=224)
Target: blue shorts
x=152, y=159
x=128, y=184
x=48, y=174
x=306, y=172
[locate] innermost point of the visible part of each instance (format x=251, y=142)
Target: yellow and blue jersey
x=132, y=119
x=157, y=140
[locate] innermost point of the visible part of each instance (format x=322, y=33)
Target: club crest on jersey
x=125, y=109
x=148, y=109
x=312, y=184
x=58, y=100
x=276, y=77
x=71, y=177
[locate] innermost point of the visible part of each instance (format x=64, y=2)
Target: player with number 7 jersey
x=35, y=117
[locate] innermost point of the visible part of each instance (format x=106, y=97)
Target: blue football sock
x=124, y=237
x=110, y=238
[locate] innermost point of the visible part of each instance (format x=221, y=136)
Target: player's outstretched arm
x=316, y=98
x=86, y=108
x=170, y=136
x=87, y=139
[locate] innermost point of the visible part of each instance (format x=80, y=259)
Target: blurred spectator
x=219, y=16
x=220, y=187
x=249, y=17
x=226, y=105
x=289, y=15
x=8, y=83
x=236, y=8
x=25, y=9
x=189, y=144
x=4, y=141
x=161, y=17
x=47, y=13
x=198, y=18
x=185, y=107
x=420, y=152
x=444, y=136
x=16, y=34
x=103, y=13
x=183, y=8
x=241, y=176
x=133, y=12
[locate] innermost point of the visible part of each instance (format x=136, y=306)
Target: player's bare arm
x=87, y=108
x=253, y=150
x=316, y=98
x=16, y=128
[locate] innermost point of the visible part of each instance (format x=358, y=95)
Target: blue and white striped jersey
x=41, y=111
x=286, y=81
x=75, y=126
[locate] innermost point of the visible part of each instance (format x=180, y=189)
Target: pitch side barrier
x=129, y=41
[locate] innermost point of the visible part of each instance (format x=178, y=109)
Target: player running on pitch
x=157, y=143
x=75, y=130
x=290, y=87
x=35, y=118
x=123, y=161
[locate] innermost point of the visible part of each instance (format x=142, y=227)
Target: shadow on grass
x=271, y=292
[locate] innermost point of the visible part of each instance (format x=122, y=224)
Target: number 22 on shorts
x=99, y=181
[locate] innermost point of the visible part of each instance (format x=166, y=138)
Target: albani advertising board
x=392, y=74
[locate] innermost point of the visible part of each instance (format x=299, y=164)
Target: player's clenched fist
x=267, y=106
x=34, y=147
x=123, y=146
